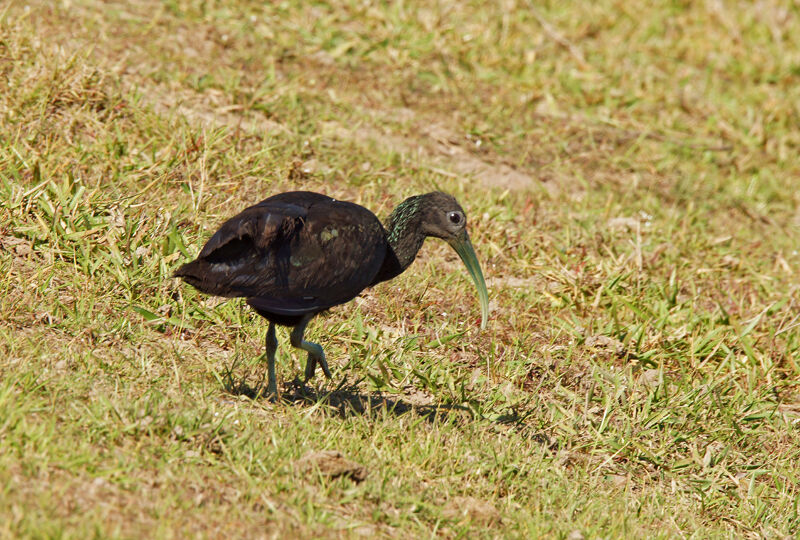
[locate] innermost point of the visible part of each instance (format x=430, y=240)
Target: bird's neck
x=405, y=237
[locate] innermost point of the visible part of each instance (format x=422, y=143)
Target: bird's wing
x=292, y=257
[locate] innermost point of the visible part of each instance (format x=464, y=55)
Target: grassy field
x=630, y=174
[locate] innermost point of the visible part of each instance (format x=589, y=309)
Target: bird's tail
x=200, y=275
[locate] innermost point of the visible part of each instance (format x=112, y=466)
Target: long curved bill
x=463, y=247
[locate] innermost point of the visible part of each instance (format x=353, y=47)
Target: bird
x=299, y=253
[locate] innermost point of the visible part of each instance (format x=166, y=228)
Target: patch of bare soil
x=449, y=152
x=210, y=108
x=437, y=145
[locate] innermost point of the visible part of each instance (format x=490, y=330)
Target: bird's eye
x=455, y=217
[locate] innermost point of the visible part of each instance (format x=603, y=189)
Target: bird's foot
x=311, y=368
x=324, y=365
x=271, y=393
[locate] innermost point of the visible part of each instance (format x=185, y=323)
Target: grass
x=630, y=177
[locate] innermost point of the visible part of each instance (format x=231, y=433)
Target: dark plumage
x=296, y=254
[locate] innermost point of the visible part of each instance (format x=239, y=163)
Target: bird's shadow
x=349, y=399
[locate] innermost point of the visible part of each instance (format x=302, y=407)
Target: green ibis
x=296, y=254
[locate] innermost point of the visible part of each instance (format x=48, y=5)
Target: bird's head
x=442, y=217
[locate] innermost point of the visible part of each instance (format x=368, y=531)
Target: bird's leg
x=315, y=352
x=272, y=347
